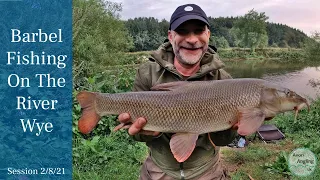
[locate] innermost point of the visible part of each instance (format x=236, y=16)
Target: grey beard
x=187, y=61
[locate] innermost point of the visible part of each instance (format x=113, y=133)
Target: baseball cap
x=187, y=12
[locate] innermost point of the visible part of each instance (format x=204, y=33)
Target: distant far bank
x=238, y=54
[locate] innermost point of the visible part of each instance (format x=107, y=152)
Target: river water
x=302, y=78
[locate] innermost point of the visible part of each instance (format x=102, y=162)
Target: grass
x=254, y=159
x=262, y=161
x=115, y=156
x=269, y=161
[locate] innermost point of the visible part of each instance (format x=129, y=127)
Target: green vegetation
x=305, y=130
x=219, y=41
x=99, y=40
x=250, y=30
x=264, y=39
x=270, y=161
x=312, y=47
x=99, y=37
x=281, y=54
x=103, y=63
x=104, y=154
x=148, y=33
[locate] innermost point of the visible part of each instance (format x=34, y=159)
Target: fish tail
x=89, y=118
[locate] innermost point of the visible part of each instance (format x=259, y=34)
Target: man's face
x=189, y=41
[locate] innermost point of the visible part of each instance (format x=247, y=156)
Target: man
x=187, y=57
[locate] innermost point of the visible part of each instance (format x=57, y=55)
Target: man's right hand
x=137, y=125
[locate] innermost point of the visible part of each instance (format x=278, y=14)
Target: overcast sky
x=300, y=14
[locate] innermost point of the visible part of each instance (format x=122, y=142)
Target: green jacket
x=159, y=70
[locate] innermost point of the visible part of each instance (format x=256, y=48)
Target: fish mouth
x=300, y=106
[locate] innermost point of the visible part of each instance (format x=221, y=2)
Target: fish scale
x=193, y=108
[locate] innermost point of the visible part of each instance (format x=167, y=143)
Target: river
x=303, y=78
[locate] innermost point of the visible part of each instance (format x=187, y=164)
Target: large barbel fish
x=192, y=108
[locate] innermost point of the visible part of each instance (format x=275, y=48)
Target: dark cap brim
x=183, y=19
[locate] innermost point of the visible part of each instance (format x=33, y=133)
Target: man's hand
x=137, y=125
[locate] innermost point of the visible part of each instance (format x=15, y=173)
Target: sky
x=300, y=14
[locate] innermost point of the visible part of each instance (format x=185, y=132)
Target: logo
x=188, y=8
x=302, y=162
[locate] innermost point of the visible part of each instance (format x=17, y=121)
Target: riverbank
x=284, y=54
x=237, y=54
x=270, y=161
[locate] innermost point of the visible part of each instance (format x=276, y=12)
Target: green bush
x=312, y=50
x=280, y=165
x=104, y=154
x=99, y=38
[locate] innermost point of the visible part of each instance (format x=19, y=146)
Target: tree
x=219, y=42
x=312, y=46
x=316, y=36
x=252, y=29
x=147, y=32
x=236, y=36
x=283, y=44
x=99, y=36
x=263, y=41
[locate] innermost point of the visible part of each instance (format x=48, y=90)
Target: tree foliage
x=98, y=36
x=219, y=42
x=98, y=33
x=252, y=29
x=312, y=47
x=316, y=36
x=148, y=33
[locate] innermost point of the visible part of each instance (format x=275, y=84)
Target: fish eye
x=287, y=92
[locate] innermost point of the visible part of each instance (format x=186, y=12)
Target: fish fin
x=250, y=119
x=182, y=145
x=235, y=126
x=89, y=118
x=169, y=86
